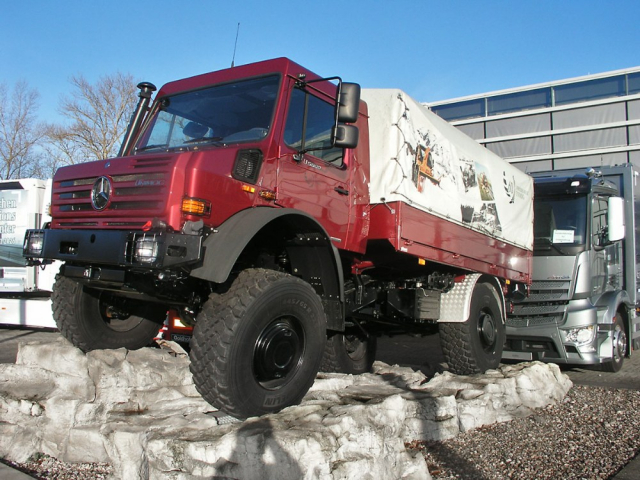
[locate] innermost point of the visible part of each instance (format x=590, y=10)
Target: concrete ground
x=423, y=353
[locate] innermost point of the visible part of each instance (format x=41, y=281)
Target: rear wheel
x=94, y=319
x=257, y=348
x=619, y=340
x=349, y=352
x=475, y=345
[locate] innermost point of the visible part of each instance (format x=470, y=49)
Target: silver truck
x=581, y=306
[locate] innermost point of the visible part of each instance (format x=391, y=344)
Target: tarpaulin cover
x=420, y=159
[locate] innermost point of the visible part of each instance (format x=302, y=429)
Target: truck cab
x=581, y=308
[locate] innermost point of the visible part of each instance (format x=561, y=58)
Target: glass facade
x=590, y=90
x=584, y=91
x=588, y=122
x=516, y=102
x=457, y=111
x=634, y=83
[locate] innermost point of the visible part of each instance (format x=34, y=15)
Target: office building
x=579, y=122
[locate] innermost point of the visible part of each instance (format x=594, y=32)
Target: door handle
x=342, y=191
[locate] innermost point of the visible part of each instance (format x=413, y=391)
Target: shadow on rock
x=257, y=455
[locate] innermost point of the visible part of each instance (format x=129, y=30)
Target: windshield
x=560, y=224
x=233, y=112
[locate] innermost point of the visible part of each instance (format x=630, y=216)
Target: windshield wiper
x=150, y=147
x=214, y=140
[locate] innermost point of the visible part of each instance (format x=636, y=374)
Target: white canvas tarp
x=420, y=159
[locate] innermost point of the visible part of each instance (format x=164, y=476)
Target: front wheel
x=257, y=348
x=475, y=345
x=619, y=340
x=94, y=319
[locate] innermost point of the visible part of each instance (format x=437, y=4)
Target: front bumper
x=121, y=248
x=552, y=343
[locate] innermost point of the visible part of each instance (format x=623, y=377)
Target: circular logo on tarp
x=101, y=193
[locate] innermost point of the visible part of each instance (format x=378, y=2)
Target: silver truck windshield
x=560, y=224
x=229, y=113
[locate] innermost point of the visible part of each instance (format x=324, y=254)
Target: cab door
x=316, y=181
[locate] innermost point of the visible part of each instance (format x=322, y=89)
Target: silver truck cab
x=581, y=306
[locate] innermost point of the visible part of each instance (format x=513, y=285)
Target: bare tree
x=98, y=116
x=20, y=133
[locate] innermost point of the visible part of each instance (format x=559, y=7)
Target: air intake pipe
x=146, y=90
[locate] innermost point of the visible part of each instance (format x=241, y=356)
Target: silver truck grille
x=546, y=305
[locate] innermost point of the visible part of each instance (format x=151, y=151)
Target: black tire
x=476, y=345
x=257, y=348
x=92, y=319
x=619, y=346
x=349, y=353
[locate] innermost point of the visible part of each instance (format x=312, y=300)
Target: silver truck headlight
x=579, y=336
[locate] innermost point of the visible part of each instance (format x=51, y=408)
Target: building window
x=608, y=137
x=521, y=148
x=519, y=101
x=634, y=83
x=460, y=110
x=590, y=90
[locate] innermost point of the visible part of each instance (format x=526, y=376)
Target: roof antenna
x=233, y=60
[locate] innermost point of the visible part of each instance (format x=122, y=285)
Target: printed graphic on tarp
x=420, y=159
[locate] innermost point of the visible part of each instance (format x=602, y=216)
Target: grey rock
x=139, y=411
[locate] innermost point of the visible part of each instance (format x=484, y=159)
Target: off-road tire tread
x=219, y=320
x=330, y=362
x=69, y=304
x=64, y=311
x=455, y=340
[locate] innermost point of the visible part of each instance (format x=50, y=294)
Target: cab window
x=599, y=226
x=317, y=131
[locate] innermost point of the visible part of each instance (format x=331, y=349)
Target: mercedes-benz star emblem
x=101, y=193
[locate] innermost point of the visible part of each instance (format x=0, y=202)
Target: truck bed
x=418, y=233
x=418, y=159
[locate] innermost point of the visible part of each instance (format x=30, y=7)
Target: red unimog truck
x=289, y=223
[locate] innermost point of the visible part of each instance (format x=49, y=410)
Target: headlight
x=146, y=250
x=33, y=243
x=579, y=336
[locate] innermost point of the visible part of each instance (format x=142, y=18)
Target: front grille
x=546, y=305
x=135, y=197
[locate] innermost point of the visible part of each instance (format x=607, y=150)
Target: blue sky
x=434, y=50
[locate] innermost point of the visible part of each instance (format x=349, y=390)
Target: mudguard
x=223, y=247
x=455, y=304
x=608, y=305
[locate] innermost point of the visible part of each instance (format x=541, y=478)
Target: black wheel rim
x=487, y=331
x=356, y=349
x=278, y=352
x=114, y=316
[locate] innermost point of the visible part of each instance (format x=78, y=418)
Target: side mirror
x=615, y=219
x=348, y=103
x=345, y=136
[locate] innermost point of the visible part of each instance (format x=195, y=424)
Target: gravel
x=46, y=467
x=592, y=434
